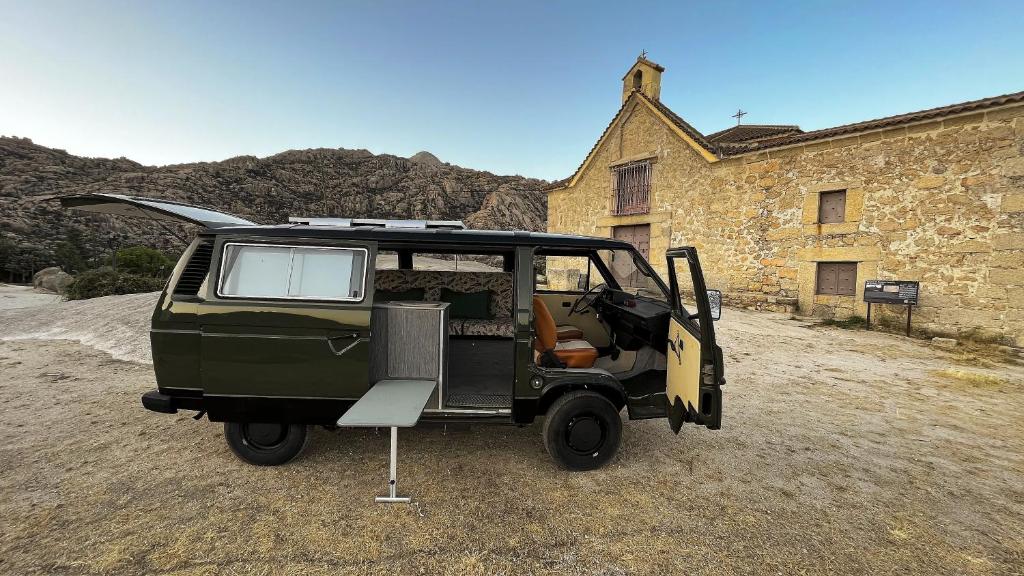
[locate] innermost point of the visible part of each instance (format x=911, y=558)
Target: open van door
x=152, y=209
x=694, y=359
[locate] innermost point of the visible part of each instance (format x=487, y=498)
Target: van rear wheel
x=265, y=443
x=582, y=430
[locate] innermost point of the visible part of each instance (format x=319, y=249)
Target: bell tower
x=644, y=76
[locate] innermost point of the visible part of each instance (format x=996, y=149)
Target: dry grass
x=839, y=455
x=972, y=378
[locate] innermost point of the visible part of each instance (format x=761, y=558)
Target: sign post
x=902, y=292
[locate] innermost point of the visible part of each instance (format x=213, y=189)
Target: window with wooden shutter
x=832, y=207
x=838, y=278
x=846, y=278
x=826, y=278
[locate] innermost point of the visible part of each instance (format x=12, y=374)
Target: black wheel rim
x=264, y=436
x=585, y=435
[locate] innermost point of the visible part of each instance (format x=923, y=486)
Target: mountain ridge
x=35, y=231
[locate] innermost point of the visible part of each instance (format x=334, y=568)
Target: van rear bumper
x=157, y=401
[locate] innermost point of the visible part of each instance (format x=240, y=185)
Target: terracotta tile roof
x=679, y=122
x=735, y=149
x=733, y=142
x=557, y=184
x=752, y=132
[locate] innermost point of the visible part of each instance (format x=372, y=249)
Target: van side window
x=386, y=260
x=457, y=262
x=565, y=273
x=292, y=272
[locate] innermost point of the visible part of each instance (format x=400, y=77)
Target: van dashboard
x=636, y=321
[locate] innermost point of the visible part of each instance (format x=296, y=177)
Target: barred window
x=632, y=184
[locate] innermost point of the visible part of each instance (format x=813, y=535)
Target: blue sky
x=514, y=88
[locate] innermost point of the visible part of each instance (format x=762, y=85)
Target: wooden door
x=640, y=237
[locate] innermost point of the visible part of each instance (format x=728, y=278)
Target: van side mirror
x=582, y=283
x=715, y=300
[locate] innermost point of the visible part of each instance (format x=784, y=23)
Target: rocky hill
x=36, y=232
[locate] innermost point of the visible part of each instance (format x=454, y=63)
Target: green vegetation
x=851, y=322
x=138, y=269
x=143, y=261
x=73, y=255
x=106, y=281
x=6, y=253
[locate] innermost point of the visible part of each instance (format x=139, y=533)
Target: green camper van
x=335, y=321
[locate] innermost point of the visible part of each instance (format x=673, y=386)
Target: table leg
x=392, y=497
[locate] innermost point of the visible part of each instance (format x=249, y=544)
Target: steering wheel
x=586, y=300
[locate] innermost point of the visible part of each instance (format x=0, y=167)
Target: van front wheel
x=582, y=430
x=265, y=443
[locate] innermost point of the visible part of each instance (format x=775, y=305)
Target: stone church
x=789, y=220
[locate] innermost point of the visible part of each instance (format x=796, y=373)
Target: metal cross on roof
x=739, y=116
x=643, y=54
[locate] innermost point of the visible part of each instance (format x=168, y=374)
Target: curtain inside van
x=292, y=272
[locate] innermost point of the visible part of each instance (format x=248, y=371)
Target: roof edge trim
x=982, y=106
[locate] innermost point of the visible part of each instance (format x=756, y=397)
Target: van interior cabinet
x=409, y=341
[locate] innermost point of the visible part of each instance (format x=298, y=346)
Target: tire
x=582, y=430
x=265, y=444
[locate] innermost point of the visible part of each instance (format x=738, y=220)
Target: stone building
x=789, y=220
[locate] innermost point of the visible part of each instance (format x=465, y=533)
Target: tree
x=144, y=261
x=6, y=255
x=71, y=253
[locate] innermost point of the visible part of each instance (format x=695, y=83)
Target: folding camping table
x=395, y=404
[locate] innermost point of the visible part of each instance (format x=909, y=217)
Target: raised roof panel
x=379, y=223
x=344, y=222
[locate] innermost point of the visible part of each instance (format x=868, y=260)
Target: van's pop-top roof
x=450, y=231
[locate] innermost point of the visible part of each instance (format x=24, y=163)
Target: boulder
x=424, y=157
x=947, y=343
x=53, y=279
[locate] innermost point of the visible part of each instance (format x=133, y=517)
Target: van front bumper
x=157, y=401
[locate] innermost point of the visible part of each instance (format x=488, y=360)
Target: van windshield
x=631, y=275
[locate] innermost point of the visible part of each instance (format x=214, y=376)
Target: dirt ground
x=21, y=296
x=842, y=452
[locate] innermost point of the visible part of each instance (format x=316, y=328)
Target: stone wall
x=941, y=202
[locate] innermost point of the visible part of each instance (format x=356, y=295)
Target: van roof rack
x=379, y=223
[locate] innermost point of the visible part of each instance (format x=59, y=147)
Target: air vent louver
x=196, y=270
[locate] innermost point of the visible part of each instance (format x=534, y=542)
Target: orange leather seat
x=573, y=353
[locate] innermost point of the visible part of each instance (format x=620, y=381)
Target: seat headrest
x=544, y=326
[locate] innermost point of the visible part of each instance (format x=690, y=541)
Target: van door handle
x=351, y=339
x=676, y=349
